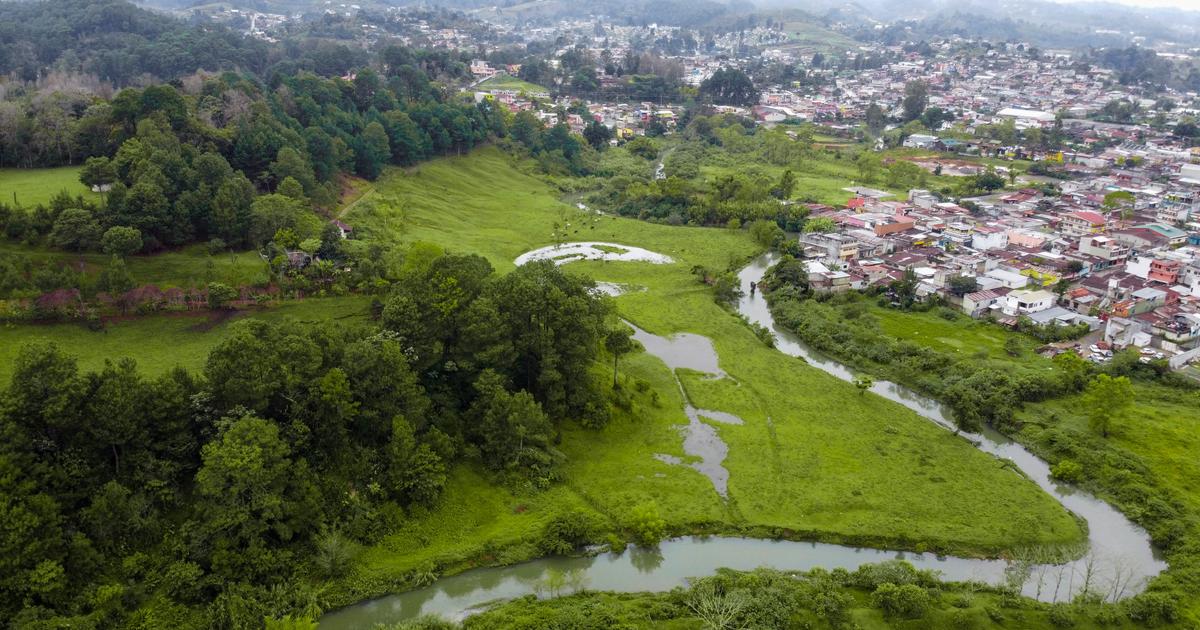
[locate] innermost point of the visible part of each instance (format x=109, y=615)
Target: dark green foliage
x=729, y=86
x=216, y=498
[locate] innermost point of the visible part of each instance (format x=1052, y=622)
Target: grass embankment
x=31, y=186
x=814, y=458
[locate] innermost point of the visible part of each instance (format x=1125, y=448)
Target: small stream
x=1118, y=563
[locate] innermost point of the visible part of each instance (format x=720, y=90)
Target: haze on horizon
x=1191, y=5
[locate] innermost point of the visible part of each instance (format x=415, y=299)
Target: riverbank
x=1113, y=473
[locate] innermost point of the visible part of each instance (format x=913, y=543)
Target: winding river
x=1118, y=563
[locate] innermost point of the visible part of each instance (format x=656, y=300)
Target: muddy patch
x=591, y=250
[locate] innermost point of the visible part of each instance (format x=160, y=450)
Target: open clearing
x=31, y=186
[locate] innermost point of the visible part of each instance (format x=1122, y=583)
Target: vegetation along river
x=1118, y=561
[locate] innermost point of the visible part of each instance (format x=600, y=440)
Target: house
x=1164, y=271
x=1082, y=223
x=922, y=141
x=832, y=248
x=979, y=302
x=1107, y=249
x=1025, y=302
x=1174, y=236
x=987, y=237
x=1009, y=279
x=343, y=228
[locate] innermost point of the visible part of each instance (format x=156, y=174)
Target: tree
x=868, y=165
x=819, y=225
x=97, y=173
x=617, y=342
x=766, y=233
x=252, y=498
x=220, y=295
x=729, y=86
x=1061, y=287
x=989, y=180
x=597, y=135
x=373, y=151
x=1106, y=399
x=272, y=213
x=786, y=185
x=75, y=229
x=916, y=99
x=642, y=147
x=291, y=163
x=962, y=285
x=647, y=526
x=115, y=279
x=876, y=118
x=291, y=189
x=121, y=241
x=512, y=429
x=863, y=383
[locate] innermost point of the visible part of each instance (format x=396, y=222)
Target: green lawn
x=508, y=82
x=31, y=186
x=161, y=342
x=959, y=335
x=814, y=459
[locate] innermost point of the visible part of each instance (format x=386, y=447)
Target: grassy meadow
x=162, y=342
x=31, y=186
x=814, y=458
x=509, y=82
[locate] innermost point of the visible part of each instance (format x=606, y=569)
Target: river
x=1118, y=563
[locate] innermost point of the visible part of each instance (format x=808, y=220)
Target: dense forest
x=115, y=41
x=212, y=160
x=218, y=499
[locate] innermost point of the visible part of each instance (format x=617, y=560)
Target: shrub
x=1067, y=470
x=1061, y=616
x=334, y=554
x=1153, y=609
x=567, y=532
x=907, y=600
x=647, y=526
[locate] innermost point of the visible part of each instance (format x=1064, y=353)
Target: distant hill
x=1041, y=21
x=116, y=41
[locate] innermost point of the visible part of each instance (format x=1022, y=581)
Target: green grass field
x=508, y=82
x=31, y=186
x=161, y=342
x=814, y=458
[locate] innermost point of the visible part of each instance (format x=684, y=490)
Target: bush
x=1062, y=615
x=1067, y=470
x=907, y=600
x=647, y=526
x=565, y=533
x=1153, y=609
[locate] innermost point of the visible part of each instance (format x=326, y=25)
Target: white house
x=920, y=141
x=1024, y=302
x=985, y=237
x=1010, y=279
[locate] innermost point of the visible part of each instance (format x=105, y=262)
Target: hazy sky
x=1179, y=4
